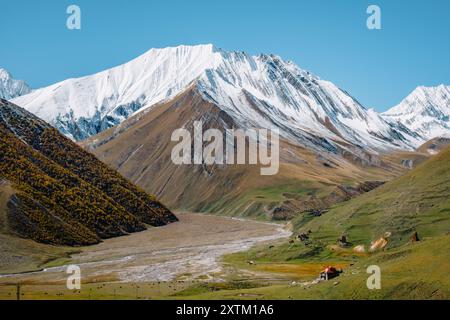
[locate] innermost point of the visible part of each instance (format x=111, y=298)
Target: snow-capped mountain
x=257, y=91
x=85, y=106
x=11, y=88
x=425, y=111
x=266, y=91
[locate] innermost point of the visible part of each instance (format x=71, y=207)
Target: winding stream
x=189, y=248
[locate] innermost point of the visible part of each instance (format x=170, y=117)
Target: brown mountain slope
x=58, y=193
x=434, y=145
x=140, y=149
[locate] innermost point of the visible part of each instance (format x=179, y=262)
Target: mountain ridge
x=259, y=91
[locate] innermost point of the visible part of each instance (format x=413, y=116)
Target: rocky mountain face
x=11, y=88
x=61, y=194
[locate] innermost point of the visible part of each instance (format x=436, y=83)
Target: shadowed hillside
x=55, y=192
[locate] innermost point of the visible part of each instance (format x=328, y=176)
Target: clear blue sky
x=328, y=38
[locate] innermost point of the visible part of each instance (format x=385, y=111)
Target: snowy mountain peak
x=262, y=91
x=426, y=111
x=11, y=88
x=4, y=74
x=208, y=47
x=85, y=106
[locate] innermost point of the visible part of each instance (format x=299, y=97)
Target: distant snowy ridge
x=425, y=111
x=11, y=88
x=257, y=91
x=265, y=91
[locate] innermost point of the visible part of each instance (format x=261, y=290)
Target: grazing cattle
x=415, y=237
x=303, y=237
x=343, y=242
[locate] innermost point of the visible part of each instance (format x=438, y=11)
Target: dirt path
x=188, y=249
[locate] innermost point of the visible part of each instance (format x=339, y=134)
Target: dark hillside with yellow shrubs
x=55, y=192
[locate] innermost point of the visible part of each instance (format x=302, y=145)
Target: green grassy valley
x=412, y=271
x=418, y=201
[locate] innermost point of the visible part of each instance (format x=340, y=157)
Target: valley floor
x=186, y=251
x=201, y=258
